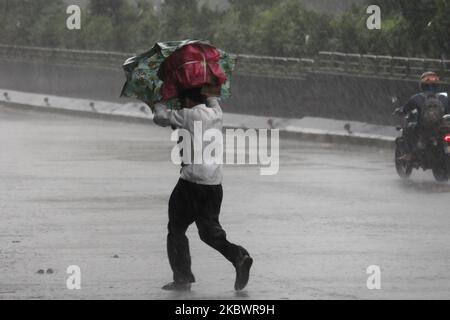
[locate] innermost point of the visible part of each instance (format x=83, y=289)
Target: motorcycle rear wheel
x=442, y=173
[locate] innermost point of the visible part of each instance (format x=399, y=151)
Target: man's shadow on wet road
x=192, y=295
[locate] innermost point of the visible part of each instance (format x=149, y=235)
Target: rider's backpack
x=432, y=112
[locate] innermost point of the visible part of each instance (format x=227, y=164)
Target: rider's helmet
x=429, y=81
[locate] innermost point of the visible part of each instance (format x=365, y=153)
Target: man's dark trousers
x=201, y=204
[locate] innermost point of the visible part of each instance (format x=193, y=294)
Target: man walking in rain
x=198, y=195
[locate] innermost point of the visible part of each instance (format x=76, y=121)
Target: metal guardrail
x=279, y=67
x=274, y=66
x=386, y=66
x=63, y=56
x=247, y=64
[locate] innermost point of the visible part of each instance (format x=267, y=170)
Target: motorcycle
x=431, y=149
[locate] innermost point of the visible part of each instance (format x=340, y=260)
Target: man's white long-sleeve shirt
x=210, y=117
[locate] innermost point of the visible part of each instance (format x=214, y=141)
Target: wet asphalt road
x=93, y=193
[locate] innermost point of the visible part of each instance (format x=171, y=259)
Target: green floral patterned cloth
x=142, y=72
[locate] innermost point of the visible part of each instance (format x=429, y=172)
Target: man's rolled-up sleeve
x=213, y=102
x=164, y=117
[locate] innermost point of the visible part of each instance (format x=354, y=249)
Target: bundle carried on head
x=162, y=73
x=192, y=66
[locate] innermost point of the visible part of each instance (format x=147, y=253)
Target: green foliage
x=266, y=27
x=25, y=22
x=178, y=18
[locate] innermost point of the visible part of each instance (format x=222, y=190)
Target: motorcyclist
x=418, y=120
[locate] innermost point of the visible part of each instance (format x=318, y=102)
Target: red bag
x=191, y=66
